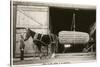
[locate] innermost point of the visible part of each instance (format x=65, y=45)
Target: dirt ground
x=65, y=58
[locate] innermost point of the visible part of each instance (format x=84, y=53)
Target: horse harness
x=40, y=39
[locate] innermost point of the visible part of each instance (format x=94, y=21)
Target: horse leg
x=53, y=50
x=39, y=47
x=47, y=50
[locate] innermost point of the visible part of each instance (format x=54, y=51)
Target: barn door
x=35, y=18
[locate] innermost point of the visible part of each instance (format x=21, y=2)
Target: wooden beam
x=14, y=28
x=66, y=5
x=30, y=26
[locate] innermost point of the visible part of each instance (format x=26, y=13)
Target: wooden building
x=49, y=17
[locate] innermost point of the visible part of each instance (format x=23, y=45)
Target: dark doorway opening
x=61, y=19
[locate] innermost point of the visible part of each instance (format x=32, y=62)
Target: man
x=22, y=46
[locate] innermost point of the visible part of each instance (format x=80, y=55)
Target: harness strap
x=35, y=36
x=50, y=37
x=41, y=37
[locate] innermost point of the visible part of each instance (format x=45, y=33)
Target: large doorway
x=61, y=19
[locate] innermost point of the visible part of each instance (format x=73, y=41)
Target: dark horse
x=43, y=40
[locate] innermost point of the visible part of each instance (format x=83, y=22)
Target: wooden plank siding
x=33, y=17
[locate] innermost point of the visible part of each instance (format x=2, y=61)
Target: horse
x=43, y=40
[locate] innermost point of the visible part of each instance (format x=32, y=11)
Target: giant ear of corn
x=73, y=37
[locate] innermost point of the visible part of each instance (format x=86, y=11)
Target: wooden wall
x=33, y=17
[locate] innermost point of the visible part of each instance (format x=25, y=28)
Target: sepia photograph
x=47, y=33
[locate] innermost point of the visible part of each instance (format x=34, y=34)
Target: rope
x=73, y=23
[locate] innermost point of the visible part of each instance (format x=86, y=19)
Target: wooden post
x=14, y=28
